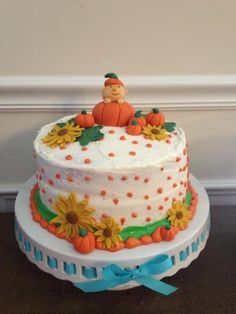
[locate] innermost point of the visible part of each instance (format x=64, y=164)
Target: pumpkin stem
x=83, y=111
x=138, y=114
x=111, y=75
x=155, y=110
x=167, y=227
x=134, y=122
x=83, y=232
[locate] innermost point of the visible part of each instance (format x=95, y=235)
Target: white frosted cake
x=112, y=179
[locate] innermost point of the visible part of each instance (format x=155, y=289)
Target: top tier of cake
x=131, y=178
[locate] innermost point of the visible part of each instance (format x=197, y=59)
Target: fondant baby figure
x=113, y=90
x=113, y=110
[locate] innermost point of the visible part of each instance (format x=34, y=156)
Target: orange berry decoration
x=134, y=128
x=155, y=117
x=139, y=118
x=84, y=119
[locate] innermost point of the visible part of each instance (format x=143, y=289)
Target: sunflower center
x=155, y=131
x=62, y=132
x=107, y=232
x=72, y=218
x=179, y=215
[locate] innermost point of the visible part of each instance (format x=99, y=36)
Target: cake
x=112, y=179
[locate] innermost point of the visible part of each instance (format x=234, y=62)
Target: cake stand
x=58, y=257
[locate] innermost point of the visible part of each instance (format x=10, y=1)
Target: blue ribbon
x=113, y=276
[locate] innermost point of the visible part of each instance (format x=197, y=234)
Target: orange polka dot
x=169, y=178
x=166, y=198
x=40, y=178
x=58, y=176
x=122, y=220
x=42, y=170
x=146, y=197
x=146, y=180
x=50, y=182
x=169, y=135
x=111, y=178
x=168, y=141
x=87, y=178
x=84, y=148
x=111, y=155
x=115, y=201
x=50, y=200
x=130, y=194
x=184, y=151
x=174, y=199
x=149, y=207
x=175, y=133
x=180, y=193
x=175, y=185
x=43, y=190
x=87, y=161
x=177, y=159
x=70, y=179
x=104, y=216
x=160, y=207
x=149, y=145
x=132, y=153
x=148, y=219
x=122, y=138
x=86, y=195
x=111, y=132
x=162, y=168
x=159, y=190
x=136, y=178
x=134, y=142
x=180, y=169
x=134, y=215
x=103, y=192
x=124, y=178
x=69, y=157
x=181, y=182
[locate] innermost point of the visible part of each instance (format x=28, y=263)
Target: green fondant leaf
x=139, y=231
x=42, y=208
x=188, y=198
x=169, y=126
x=90, y=135
x=61, y=125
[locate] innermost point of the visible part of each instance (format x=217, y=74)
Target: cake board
x=58, y=257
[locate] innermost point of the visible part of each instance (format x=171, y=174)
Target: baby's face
x=114, y=92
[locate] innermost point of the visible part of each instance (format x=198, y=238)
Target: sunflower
x=154, y=132
x=108, y=232
x=72, y=215
x=179, y=215
x=60, y=136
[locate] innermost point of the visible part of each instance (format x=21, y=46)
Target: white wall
x=130, y=37
x=77, y=37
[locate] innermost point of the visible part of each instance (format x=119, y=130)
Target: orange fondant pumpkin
x=84, y=242
x=113, y=114
x=155, y=117
x=134, y=128
x=156, y=236
x=84, y=119
x=139, y=118
x=168, y=234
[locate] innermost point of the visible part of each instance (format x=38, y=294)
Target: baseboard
x=220, y=192
x=70, y=93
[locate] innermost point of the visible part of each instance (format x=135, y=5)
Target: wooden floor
x=208, y=285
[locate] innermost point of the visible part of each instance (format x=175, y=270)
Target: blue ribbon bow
x=113, y=276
